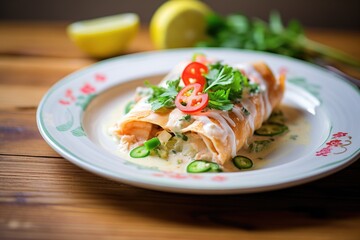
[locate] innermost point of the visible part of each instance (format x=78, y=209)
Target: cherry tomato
x=190, y=99
x=193, y=73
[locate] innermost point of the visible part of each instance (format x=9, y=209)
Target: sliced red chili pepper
x=194, y=73
x=190, y=99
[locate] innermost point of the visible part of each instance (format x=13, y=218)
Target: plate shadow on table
x=333, y=197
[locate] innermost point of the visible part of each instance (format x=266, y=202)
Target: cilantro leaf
x=223, y=77
x=162, y=97
x=225, y=86
x=220, y=100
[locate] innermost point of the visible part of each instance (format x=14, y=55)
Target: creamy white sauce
x=250, y=106
x=238, y=112
x=174, y=123
x=225, y=122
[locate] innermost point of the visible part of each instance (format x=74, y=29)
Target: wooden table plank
x=54, y=187
x=19, y=134
x=344, y=40
x=36, y=39
x=36, y=71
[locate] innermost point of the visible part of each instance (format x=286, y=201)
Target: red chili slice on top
x=194, y=73
x=190, y=99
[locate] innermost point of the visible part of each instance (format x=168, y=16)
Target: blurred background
x=338, y=14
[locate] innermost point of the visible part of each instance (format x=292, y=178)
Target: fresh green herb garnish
x=225, y=86
x=239, y=31
x=182, y=136
x=223, y=75
x=186, y=118
x=162, y=97
x=245, y=111
x=220, y=100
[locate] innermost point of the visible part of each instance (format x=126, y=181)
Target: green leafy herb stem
x=239, y=31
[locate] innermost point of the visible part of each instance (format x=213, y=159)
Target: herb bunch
x=239, y=31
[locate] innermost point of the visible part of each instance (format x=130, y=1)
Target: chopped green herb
x=245, y=111
x=182, y=136
x=186, y=118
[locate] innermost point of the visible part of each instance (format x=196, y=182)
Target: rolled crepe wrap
x=222, y=132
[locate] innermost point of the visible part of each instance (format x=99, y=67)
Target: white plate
x=329, y=104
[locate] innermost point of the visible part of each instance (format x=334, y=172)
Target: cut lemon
x=179, y=23
x=106, y=36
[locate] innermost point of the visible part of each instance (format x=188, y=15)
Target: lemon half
x=106, y=36
x=179, y=23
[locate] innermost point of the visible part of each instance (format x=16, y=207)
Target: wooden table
x=43, y=196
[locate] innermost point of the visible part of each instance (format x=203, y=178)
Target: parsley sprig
x=225, y=85
x=163, y=98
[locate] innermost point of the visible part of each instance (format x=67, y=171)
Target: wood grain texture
x=60, y=199
x=43, y=196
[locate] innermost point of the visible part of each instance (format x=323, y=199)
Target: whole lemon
x=179, y=23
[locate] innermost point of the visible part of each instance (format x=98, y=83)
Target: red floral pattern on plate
x=100, y=77
x=183, y=176
x=86, y=89
x=336, y=145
